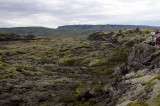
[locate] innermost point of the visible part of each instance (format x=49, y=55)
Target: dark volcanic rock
x=124, y=69
x=95, y=92
x=106, y=89
x=140, y=54
x=120, y=34
x=84, y=95
x=119, y=72
x=100, y=36
x=46, y=61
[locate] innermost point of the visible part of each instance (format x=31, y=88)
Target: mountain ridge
x=73, y=29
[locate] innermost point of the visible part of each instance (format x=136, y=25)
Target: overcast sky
x=54, y=13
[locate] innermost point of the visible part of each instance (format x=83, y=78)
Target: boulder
x=124, y=69
x=120, y=34
x=106, y=89
x=114, y=40
x=138, y=40
x=95, y=92
x=119, y=72
x=84, y=95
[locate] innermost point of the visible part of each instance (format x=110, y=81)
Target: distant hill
x=72, y=29
x=29, y=30
x=105, y=27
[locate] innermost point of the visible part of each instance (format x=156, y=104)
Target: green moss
x=1, y=59
x=154, y=55
x=138, y=76
x=82, y=104
x=81, y=46
x=149, y=83
x=79, y=88
x=25, y=41
x=97, y=62
x=137, y=104
x=87, y=60
x=157, y=99
x=72, y=61
x=99, y=86
x=62, y=53
x=119, y=56
x=157, y=77
x=47, y=54
x=32, y=57
x=134, y=32
x=8, y=73
x=46, y=103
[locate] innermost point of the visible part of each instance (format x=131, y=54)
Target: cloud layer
x=53, y=13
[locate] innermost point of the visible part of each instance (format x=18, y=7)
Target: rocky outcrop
x=120, y=34
x=100, y=36
x=140, y=55
x=139, y=82
x=135, y=82
x=142, y=87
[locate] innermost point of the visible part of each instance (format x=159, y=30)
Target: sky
x=54, y=13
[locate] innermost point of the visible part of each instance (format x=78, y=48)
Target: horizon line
x=79, y=25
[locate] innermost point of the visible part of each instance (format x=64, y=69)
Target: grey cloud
x=20, y=7
x=29, y=8
x=52, y=13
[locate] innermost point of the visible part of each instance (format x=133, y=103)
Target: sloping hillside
x=39, y=31
x=141, y=83
x=135, y=83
